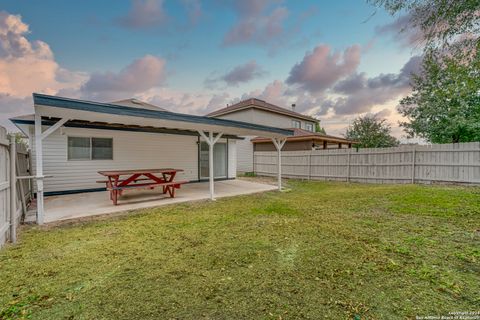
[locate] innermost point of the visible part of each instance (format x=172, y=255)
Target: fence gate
x=13, y=201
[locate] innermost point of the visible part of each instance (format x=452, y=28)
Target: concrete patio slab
x=89, y=204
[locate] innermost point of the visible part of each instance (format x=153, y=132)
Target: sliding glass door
x=219, y=160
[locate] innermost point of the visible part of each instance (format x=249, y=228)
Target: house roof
x=135, y=103
x=302, y=135
x=30, y=120
x=94, y=112
x=262, y=105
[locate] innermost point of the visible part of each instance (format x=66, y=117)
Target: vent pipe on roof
x=293, y=106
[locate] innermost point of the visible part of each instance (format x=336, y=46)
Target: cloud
x=259, y=22
x=327, y=84
x=149, y=14
x=384, y=113
x=217, y=101
x=274, y=92
x=11, y=107
x=353, y=83
x=174, y=100
x=321, y=68
x=141, y=75
x=145, y=14
x=243, y=73
x=26, y=66
x=359, y=94
x=193, y=9
x=240, y=74
x=403, y=32
x=280, y=94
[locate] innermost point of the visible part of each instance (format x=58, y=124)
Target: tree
x=370, y=132
x=443, y=22
x=319, y=129
x=19, y=138
x=445, y=104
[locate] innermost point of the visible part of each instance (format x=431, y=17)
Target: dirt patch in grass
x=322, y=250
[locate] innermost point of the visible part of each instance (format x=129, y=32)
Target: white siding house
x=73, y=139
x=245, y=155
x=131, y=150
x=267, y=118
x=262, y=113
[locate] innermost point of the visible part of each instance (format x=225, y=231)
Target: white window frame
x=294, y=122
x=91, y=148
x=307, y=125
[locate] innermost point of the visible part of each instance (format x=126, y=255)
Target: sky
x=335, y=60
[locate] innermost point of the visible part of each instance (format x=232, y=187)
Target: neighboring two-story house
x=261, y=112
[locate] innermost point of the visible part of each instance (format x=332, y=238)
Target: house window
x=83, y=148
x=102, y=149
x=78, y=148
x=296, y=124
x=309, y=126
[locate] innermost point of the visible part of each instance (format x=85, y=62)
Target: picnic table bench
x=140, y=178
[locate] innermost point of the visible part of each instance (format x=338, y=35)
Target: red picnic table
x=140, y=178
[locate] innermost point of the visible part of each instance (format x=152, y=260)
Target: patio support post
x=211, y=140
x=39, y=167
x=279, y=143
x=39, y=136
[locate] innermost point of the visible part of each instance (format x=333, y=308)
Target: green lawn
x=322, y=250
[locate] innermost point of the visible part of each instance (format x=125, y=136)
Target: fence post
x=348, y=164
x=310, y=165
x=413, y=164
x=13, y=189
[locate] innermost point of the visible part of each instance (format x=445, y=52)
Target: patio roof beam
x=211, y=140
x=52, y=129
x=279, y=143
x=72, y=123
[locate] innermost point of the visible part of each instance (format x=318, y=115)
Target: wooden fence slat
x=22, y=157
x=452, y=163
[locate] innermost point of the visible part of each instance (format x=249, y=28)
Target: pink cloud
x=403, y=32
x=278, y=93
x=27, y=67
x=198, y=103
x=257, y=22
x=321, y=68
x=359, y=94
x=141, y=75
x=240, y=74
x=145, y=14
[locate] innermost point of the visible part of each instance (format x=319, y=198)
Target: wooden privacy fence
x=15, y=193
x=447, y=163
